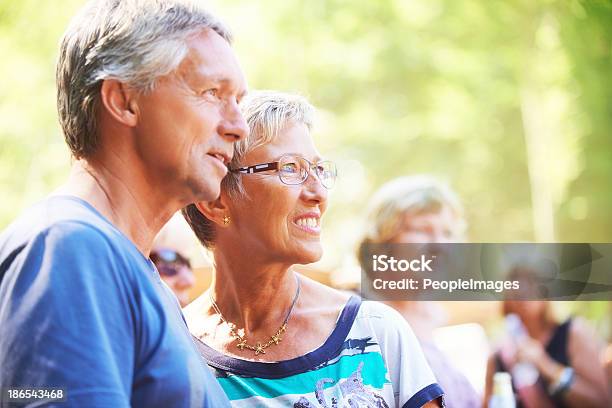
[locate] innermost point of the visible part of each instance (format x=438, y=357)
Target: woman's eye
x=290, y=168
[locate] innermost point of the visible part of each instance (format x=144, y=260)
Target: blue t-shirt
x=82, y=309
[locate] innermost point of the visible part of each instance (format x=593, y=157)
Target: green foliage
x=403, y=87
x=33, y=157
x=448, y=88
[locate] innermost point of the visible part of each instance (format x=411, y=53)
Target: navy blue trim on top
x=328, y=350
x=429, y=393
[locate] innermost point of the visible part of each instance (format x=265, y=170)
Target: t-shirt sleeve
x=67, y=318
x=414, y=383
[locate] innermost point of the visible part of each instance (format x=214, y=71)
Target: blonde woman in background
x=420, y=209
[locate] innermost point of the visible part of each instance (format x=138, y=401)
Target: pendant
x=259, y=349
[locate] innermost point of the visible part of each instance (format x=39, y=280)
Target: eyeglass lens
x=295, y=170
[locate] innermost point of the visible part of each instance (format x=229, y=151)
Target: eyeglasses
x=293, y=170
x=168, y=261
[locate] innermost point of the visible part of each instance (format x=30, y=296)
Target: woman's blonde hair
x=409, y=194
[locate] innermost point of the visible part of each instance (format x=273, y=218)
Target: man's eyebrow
x=204, y=78
x=222, y=80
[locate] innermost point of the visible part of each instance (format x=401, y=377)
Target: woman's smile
x=309, y=222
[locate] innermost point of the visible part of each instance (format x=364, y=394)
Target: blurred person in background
x=274, y=337
x=565, y=357
x=421, y=209
x=170, y=256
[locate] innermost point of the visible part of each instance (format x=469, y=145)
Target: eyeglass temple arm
x=258, y=168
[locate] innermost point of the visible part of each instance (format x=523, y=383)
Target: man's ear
x=216, y=211
x=119, y=101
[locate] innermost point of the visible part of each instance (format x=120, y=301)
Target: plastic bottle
x=503, y=396
x=523, y=373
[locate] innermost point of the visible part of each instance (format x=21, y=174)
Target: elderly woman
x=421, y=209
x=274, y=337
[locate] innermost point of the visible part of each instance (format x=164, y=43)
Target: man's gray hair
x=132, y=41
x=268, y=114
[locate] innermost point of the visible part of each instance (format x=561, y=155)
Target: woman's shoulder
x=582, y=335
x=384, y=322
x=323, y=295
x=371, y=309
x=579, y=326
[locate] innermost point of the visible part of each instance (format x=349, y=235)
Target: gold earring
x=226, y=219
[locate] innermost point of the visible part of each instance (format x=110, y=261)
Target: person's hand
x=530, y=351
x=533, y=352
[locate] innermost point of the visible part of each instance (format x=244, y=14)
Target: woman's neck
x=541, y=329
x=252, y=294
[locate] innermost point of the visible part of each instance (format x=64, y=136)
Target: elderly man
x=147, y=95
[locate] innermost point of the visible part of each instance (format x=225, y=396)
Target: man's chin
x=206, y=190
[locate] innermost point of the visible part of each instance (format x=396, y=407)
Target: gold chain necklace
x=259, y=348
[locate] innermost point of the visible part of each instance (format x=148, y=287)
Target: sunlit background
x=510, y=102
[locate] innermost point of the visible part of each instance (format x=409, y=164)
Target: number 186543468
x=32, y=394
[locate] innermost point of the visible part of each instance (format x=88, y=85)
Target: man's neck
x=121, y=197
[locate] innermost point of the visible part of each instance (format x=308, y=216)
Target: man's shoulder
x=64, y=217
x=63, y=224
x=66, y=245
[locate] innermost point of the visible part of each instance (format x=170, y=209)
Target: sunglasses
x=168, y=261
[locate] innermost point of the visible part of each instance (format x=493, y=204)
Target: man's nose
x=233, y=126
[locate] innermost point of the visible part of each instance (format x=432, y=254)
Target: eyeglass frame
x=261, y=167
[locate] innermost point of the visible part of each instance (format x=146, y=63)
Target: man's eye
x=211, y=92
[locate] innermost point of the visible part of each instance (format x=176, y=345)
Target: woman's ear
x=216, y=211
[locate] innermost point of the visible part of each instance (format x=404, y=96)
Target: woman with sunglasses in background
x=274, y=337
x=169, y=254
